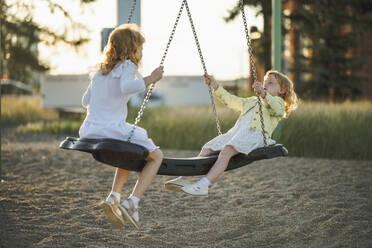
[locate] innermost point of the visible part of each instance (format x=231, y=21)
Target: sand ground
x=49, y=199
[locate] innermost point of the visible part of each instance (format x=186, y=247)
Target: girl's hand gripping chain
x=157, y=74
x=209, y=80
x=259, y=89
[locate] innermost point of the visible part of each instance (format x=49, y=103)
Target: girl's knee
x=156, y=155
x=228, y=151
x=205, y=152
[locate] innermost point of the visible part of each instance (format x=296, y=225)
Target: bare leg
x=110, y=206
x=221, y=163
x=121, y=177
x=205, y=152
x=148, y=173
x=177, y=183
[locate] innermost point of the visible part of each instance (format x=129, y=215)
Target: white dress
x=241, y=136
x=106, y=102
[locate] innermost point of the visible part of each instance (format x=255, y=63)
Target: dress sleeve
x=128, y=83
x=86, y=97
x=231, y=101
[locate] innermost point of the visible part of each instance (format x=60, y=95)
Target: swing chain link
x=204, y=67
x=253, y=68
x=149, y=91
x=172, y=33
x=131, y=11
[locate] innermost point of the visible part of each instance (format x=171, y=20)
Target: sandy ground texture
x=49, y=198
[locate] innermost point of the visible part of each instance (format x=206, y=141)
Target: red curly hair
x=123, y=44
x=289, y=95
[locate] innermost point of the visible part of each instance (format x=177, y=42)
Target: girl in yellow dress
x=278, y=98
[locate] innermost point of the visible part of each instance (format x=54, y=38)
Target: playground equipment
x=129, y=156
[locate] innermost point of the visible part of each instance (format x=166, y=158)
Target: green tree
x=328, y=34
x=332, y=31
x=21, y=34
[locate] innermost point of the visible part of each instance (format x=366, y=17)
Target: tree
x=262, y=50
x=329, y=34
x=332, y=31
x=21, y=34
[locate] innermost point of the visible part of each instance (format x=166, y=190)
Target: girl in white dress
x=278, y=99
x=105, y=99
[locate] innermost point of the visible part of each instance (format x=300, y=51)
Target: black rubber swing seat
x=129, y=156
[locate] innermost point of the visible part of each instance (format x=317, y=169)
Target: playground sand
x=49, y=198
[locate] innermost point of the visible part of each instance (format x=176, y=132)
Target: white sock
x=204, y=182
x=115, y=194
x=134, y=199
x=135, y=202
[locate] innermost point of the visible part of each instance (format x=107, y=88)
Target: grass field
x=315, y=129
x=21, y=110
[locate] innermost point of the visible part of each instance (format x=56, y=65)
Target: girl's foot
x=110, y=208
x=195, y=189
x=199, y=189
x=129, y=209
x=176, y=184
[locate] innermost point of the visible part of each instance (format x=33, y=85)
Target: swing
x=129, y=156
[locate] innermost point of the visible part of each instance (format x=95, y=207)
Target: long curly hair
x=123, y=43
x=289, y=95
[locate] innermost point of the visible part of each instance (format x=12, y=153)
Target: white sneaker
x=176, y=184
x=194, y=189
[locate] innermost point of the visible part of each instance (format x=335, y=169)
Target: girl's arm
x=155, y=76
x=276, y=103
x=86, y=97
x=129, y=85
x=225, y=97
x=230, y=100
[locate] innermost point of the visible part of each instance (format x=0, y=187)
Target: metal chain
x=132, y=11
x=253, y=68
x=172, y=33
x=149, y=91
x=204, y=67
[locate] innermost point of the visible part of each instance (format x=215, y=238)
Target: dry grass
x=16, y=110
x=315, y=129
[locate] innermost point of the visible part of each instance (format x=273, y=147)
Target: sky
x=223, y=44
